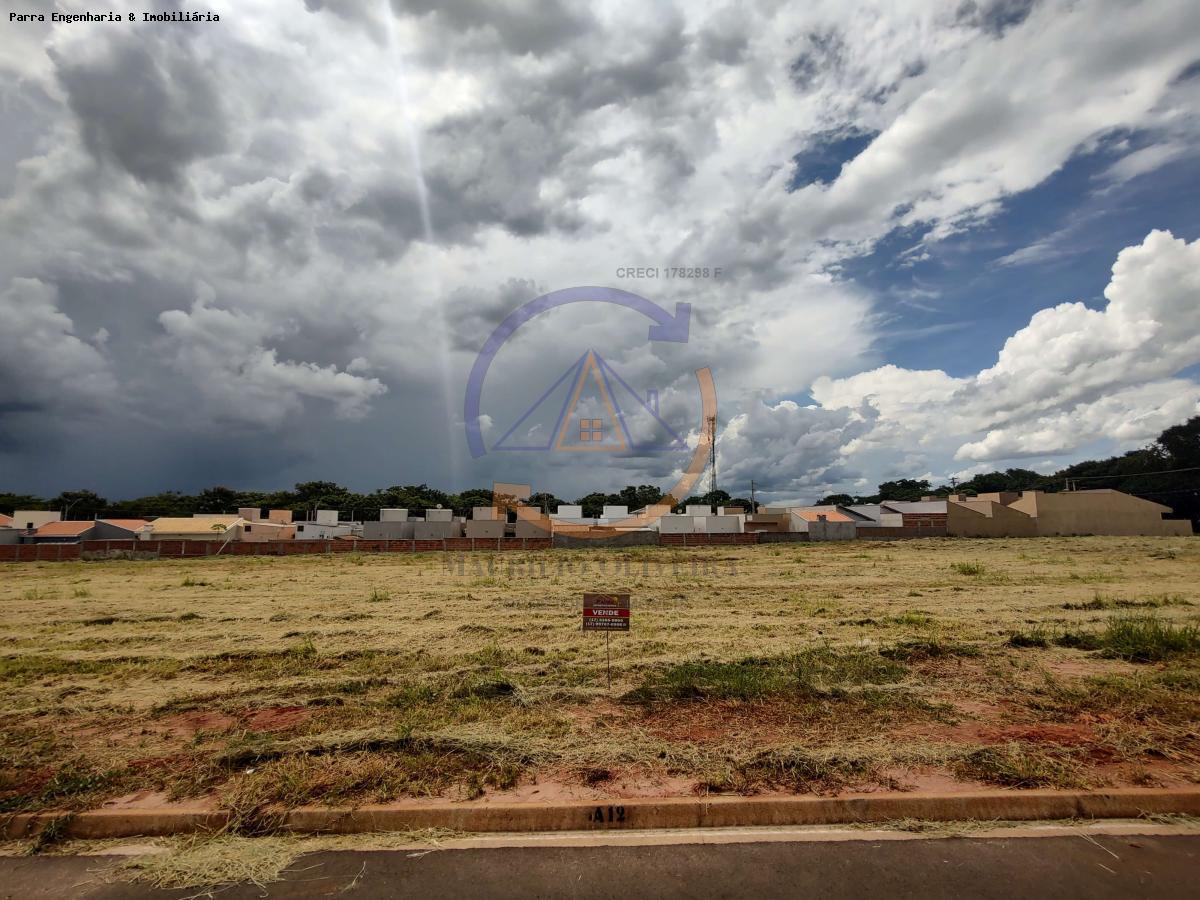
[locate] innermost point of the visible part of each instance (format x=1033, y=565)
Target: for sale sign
x=605, y=612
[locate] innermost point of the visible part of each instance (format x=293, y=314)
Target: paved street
x=1093, y=866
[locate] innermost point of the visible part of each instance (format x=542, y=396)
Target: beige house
x=1098, y=512
x=977, y=517
x=32, y=519
x=195, y=528
x=1031, y=513
x=532, y=523
x=265, y=530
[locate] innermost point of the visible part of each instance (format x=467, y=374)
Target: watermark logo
x=590, y=407
x=537, y=567
x=593, y=409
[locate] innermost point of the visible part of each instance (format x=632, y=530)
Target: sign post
x=607, y=613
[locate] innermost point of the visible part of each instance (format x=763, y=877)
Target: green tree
x=168, y=503
x=544, y=501
x=80, y=504
x=1179, y=446
x=836, y=500
x=593, y=504
x=11, y=502
x=903, y=489
x=218, y=500
x=637, y=497
x=469, y=499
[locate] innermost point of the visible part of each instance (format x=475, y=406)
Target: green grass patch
x=1041, y=638
x=1022, y=766
x=1149, y=639
x=796, y=769
x=912, y=618
x=914, y=651
x=256, y=799
x=1141, y=639
x=1100, y=602
x=1170, y=696
x=810, y=672
x=69, y=786
x=968, y=568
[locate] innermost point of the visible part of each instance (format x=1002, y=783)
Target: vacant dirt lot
x=256, y=682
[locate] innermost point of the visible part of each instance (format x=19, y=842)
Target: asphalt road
x=1093, y=867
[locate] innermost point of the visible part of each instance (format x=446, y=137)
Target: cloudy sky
x=952, y=236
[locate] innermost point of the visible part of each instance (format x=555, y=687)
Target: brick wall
x=38, y=552
x=888, y=534
x=191, y=549
x=924, y=520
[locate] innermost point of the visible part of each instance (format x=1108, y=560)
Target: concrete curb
x=682, y=812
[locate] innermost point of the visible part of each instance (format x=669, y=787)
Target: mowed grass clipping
x=265, y=683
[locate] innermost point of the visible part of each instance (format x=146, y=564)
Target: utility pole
x=753, y=505
x=712, y=456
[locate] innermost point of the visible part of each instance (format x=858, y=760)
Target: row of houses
x=1015, y=514
x=1008, y=514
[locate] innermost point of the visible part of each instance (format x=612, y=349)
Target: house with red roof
x=9, y=534
x=119, y=529
x=69, y=532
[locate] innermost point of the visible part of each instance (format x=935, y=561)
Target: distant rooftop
x=130, y=524
x=813, y=514
x=64, y=529
x=194, y=524
x=916, y=506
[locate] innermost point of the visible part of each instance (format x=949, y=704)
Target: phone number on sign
x=669, y=272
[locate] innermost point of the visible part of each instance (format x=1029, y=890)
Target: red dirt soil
x=268, y=718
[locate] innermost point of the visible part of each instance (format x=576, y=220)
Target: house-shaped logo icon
x=591, y=408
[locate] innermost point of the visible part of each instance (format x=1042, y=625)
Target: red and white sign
x=605, y=612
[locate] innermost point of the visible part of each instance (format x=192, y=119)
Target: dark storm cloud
x=149, y=106
x=274, y=214
x=31, y=112
x=649, y=65
x=16, y=419
x=724, y=46
x=473, y=313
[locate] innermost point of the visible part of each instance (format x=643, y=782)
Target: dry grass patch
x=180, y=675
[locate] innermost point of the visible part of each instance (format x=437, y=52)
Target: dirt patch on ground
x=555, y=785
x=1084, y=666
x=269, y=718
x=600, y=713
x=927, y=780
x=1041, y=733
x=187, y=724
x=277, y=718
x=976, y=709
x=759, y=722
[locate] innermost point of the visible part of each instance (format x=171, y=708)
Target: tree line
x=309, y=496
x=1147, y=472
